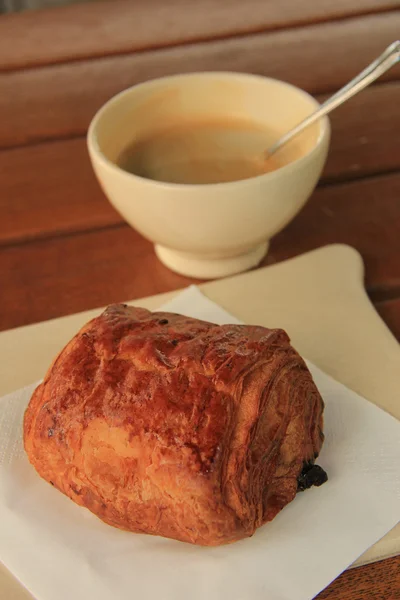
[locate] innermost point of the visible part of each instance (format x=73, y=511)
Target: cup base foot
x=200, y=267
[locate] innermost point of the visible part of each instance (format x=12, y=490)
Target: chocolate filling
x=311, y=475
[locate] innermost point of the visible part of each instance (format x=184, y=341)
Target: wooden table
x=64, y=249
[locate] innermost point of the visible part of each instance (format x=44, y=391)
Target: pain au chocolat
x=167, y=425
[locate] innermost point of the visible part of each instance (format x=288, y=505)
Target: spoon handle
x=379, y=66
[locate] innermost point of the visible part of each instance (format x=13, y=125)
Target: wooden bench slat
x=390, y=313
x=50, y=188
x=364, y=139
x=377, y=581
x=362, y=213
x=88, y=30
x=59, y=101
x=66, y=274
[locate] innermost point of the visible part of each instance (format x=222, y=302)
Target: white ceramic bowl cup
x=211, y=230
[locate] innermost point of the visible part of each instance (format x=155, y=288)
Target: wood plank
x=364, y=214
x=49, y=278
x=59, y=101
x=378, y=581
x=105, y=28
x=49, y=188
x=364, y=139
x=52, y=277
x=390, y=313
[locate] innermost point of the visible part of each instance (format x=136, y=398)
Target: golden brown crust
x=167, y=425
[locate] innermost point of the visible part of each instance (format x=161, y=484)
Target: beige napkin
x=60, y=551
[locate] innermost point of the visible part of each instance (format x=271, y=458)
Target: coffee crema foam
x=202, y=152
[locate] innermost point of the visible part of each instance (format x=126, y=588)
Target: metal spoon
x=379, y=66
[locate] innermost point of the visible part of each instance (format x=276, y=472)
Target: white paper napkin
x=60, y=551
